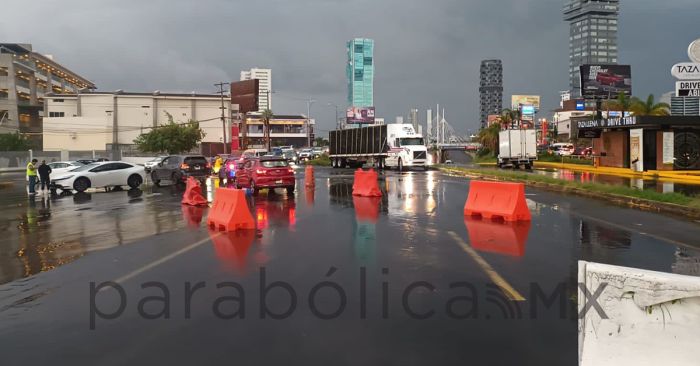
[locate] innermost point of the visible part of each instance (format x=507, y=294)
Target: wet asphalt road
x=406, y=256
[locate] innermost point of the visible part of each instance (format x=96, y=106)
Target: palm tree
x=488, y=137
x=649, y=107
x=266, y=117
x=508, y=116
x=622, y=103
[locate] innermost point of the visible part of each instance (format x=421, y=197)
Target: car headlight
x=62, y=178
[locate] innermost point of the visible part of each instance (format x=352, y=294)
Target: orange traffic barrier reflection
x=366, y=183
x=309, y=194
x=193, y=194
x=309, y=178
x=229, y=211
x=366, y=208
x=497, y=200
x=193, y=215
x=232, y=248
x=500, y=237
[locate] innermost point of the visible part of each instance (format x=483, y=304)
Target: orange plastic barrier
x=309, y=178
x=508, y=238
x=497, y=200
x=232, y=248
x=193, y=215
x=366, y=208
x=193, y=194
x=366, y=184
x=230, y=211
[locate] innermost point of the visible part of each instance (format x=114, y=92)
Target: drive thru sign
x=688, y=88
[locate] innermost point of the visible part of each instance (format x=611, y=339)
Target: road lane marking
x=160, y=261
x=496, y=278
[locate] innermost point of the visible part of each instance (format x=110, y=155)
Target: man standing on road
x=31, y=176
x=44, y=175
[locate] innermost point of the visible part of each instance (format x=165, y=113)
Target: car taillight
x=290, y=170
x=184, y=166
x=260, y=171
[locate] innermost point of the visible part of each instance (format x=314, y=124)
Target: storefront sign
x=607, y=123
x=686, y=71
x=636, y=152
x=688, y=88
x=668, y=148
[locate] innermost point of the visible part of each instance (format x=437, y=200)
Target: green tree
x=509, y=117
x=266, y=116
x=320, y=141
x=488, y=137
x=14, y=142
x=173, y=138
x=621, y=104
x=649, y=107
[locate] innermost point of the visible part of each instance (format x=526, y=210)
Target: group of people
x=38, y=175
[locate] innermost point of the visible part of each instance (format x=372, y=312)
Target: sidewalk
x=675, y=176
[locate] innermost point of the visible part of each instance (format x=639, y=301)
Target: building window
x=58, y=100
x=57, y=114
x=359, y=48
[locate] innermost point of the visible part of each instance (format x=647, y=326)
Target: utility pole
x=223, y=111
x=308, y=121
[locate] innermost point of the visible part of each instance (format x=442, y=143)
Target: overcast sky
x=426, y=52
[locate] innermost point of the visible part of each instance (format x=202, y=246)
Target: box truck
x=516, y=148
x=388, y=146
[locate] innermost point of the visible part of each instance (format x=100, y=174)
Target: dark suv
x=176, y=168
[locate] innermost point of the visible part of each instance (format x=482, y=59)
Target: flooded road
x=326, y=278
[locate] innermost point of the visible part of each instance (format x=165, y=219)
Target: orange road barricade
x=366, y=183
x=492, y=200
x=309, y=178
x=230, y=211
x=193, y=194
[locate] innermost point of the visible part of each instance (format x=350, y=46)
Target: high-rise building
x=265, y=93
x=490, y=89
x=360, y=72
x=592, y=35
x=25, y=78
x=413, y=118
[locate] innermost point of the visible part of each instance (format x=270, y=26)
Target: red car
x=607, y=78
x=266, y=172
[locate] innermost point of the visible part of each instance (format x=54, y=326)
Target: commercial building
x=285, y=130
x=685, y=106
x=113, y=120
x=25, y=78
x=490, y=89
x=265, y=92
x=360, y=72
x=592, y=35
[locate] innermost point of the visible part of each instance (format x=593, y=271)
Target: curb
x=632, y=202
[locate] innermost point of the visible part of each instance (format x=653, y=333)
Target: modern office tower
x=360, y=72
x=490, y=89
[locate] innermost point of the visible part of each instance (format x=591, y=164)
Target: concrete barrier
x=637, y=317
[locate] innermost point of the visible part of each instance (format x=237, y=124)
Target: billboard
x=517, y=100
x=360, y=115
x=603, y=81
x=245, y=94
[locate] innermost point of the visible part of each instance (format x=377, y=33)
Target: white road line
x=160, y=261
x=499, y=281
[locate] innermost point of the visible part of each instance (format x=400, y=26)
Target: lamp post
x=308, y=121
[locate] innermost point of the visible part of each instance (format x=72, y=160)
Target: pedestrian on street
x=31, y=176
x=45, y=175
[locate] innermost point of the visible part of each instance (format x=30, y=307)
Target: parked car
x=267, y=172
x=177, y=168
x=582, y=151
x=227, y=173
x=563, y=148
x=152, y=163
x=60, y=167
x=100, y=174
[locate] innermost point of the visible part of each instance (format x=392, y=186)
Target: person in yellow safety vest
x=217, y=164
x=31, y=176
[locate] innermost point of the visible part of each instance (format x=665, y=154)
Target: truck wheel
x=528, y=167
x=516, y=166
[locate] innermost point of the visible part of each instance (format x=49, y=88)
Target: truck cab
x=406, y=147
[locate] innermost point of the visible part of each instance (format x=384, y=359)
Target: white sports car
x=102, y=174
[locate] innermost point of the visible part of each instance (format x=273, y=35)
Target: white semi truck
x=516, y=148
x=388, y=146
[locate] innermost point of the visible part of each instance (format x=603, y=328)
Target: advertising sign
x=360, y=115
x=605, y=81
x=686, y=71
x=688, y=88
x=245, y=94
x=636, y=152
x=580, y=105
x=527, y=110
x=668, y=148
x=533, y=100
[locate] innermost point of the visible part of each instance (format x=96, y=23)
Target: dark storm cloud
x=427, y=52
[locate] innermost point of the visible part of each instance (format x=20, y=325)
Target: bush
x=323, y=160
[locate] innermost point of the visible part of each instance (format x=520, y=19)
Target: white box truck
x=516, y=148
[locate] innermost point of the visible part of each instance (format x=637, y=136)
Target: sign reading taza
x=686, y=71
x=688, y=88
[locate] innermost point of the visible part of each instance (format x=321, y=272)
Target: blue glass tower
x=360, y=72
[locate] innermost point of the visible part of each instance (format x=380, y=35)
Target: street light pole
x=337, y=123
x=223, y=113
x=308, y=121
